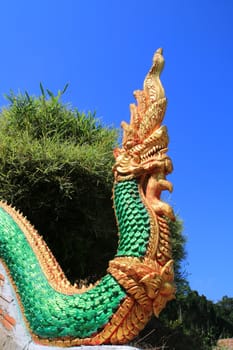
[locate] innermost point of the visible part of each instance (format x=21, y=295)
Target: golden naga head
x=145, y=141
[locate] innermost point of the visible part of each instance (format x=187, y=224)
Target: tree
x=224, y=308
x=55, y=166
x=179, y=256
x=224, y=311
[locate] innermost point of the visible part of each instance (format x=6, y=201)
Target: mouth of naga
x=155, y=153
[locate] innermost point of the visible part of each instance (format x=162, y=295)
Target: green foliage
x=199, y=319
x=178, y=241
x=191, y=323
x=224, y=308
x=47, y=118
x=55, y=165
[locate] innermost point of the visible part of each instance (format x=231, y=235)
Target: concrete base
x=9, y=342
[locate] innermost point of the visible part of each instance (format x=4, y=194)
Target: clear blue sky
x=104, y=48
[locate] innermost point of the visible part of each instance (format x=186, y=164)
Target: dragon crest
x=145, y=140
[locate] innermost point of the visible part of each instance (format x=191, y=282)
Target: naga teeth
x=138, y=147
x=152, y=151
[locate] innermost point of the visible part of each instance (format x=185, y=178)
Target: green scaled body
x=51, y=314
x=133, y=220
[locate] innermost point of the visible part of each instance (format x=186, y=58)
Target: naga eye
x=129, y=144
x=168, y=166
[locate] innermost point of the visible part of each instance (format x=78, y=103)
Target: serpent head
x=145, y=141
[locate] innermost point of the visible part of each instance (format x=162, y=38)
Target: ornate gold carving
x=145, y=280
x=144, y=139
x=148, y=280
x=49, y=264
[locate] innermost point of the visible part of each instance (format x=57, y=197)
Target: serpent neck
x=132, y=219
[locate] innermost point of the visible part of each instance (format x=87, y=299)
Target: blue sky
x=103, y=49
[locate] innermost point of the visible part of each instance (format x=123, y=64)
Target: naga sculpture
x=139, y=280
